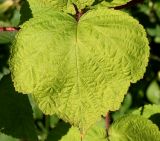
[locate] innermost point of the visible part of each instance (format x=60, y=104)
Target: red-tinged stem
x=78, y=13
x=107, y=121
x=9, y=29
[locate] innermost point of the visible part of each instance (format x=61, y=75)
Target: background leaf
x=96, y=133
x=134, y=128
x=151, y=112
x=58, y=132
x=6, y=37
x=4, y=137
x=112, y=3
x=153, y=93
x=15, y=112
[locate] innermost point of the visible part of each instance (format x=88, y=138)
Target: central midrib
x=76, y=56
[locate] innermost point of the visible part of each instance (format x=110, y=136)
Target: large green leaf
x=15, y=112
x=79, y=70
x=134, y=128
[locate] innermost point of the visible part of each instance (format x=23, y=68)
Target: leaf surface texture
x=38, y=6
x=79, y=70
x=134, y=128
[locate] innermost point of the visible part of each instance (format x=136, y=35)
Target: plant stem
x=107, y=122
x=10, y=29
x=78, y=13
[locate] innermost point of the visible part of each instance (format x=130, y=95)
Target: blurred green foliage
x=146, y=91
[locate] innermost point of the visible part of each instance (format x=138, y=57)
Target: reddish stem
x=107, y=121
x=78, y=13
x=10, y=29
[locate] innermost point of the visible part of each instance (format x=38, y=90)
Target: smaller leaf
x=72, y=135
x=6, y=37
x=134, y=128
x=112, y=3
x=153, y=93
x=4, y=137
x=151, y=112
x=96, y=133
x=15, y=18
x=124, y=107
x=37, y=113
x=59, y=131
x=157, y=39
x=156, y=7
x=53, y=121
x=5, y=5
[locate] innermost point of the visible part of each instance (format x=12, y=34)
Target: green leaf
x=156, y=7
x=123, y=108
x=15, y=112
x=15, y=18
x=153, y=93
x=157, y=39
x=112, y=3
x=5, y=6
x=40, y=6
x=79, y=70
x=58, y=132
x=151, y=112
x=134, y=128
x=72, y=135
x=53, y=121
x=37, y=113
x=6, y=37
x=155, y=32
x=4, y=137
x=5, y=24
x=96, y=133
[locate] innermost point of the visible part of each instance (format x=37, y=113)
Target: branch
x=10, y=29
x=129, y=4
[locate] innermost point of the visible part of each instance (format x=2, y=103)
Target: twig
x=107, y=122
x=78, y=13
x=10, y=29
